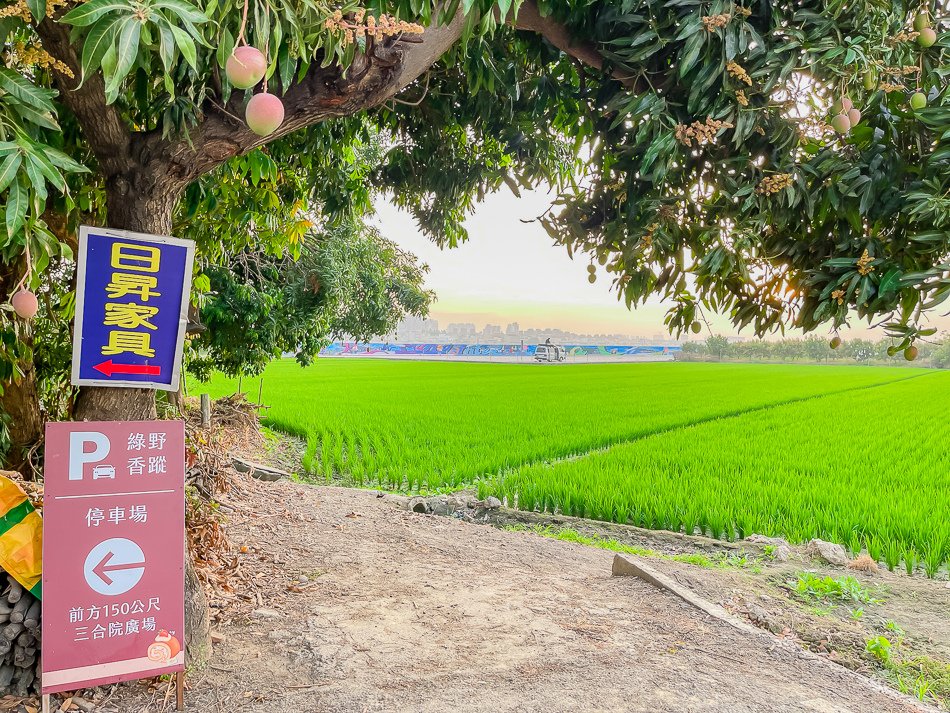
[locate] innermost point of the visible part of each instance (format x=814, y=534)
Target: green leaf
x=930, y=236
x=16, y=207
x=202, y=283
x=186, y=45
x=166, y=47
x=108, y=61
x=286, y=66
x=891, y=282
x=37, y=9
x=87, y=13
x=20, y=88
x=8, y=169
x=48, y=170
x=693, y=47
x=66, y=251
x=840, y=262
x=126, y=51
x=97, y=43
x=225, y=47
x=185, y=11
x=867, y=287
x=34, y=116
x=61, y=160
x=36, y=177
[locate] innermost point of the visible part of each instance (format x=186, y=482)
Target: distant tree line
x=816, y=349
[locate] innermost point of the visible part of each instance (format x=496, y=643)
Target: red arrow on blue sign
x=110, y=367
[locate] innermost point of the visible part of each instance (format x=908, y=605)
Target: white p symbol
x=78, y=456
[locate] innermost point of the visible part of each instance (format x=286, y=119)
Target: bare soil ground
x=747, y=582
x=348, y=602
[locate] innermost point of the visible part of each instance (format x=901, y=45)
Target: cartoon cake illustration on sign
x=164, y=648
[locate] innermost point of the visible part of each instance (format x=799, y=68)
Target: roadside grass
x=813, y=588
x=721, y=560
x=923, y=677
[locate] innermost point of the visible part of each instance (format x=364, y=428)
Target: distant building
x=461, y=330
x=414, y=330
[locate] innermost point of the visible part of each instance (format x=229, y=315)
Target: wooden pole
x=46, y=703
x=180, y=691
x=205, y=410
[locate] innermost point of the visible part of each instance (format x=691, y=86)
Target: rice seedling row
x=868, y=468
x=424, y=425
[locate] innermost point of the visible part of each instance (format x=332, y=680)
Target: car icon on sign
x=103, y=471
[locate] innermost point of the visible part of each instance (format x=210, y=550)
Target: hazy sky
x=510, y=271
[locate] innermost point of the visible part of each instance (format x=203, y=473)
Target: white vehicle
x=549, y=353
x=103, y=471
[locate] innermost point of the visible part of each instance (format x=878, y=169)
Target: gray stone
x=491, y=503
x=762, y=618
x=418, y=504
x=783, y=553
x=264, y=613
x=257, y=470
x=439, y=505
x=763, y=540
x=279, y=635
x=828, y=551
x=459, y=503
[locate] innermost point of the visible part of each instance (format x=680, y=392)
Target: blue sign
x=131, y=309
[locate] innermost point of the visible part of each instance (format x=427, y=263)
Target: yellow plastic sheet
x=21, y=537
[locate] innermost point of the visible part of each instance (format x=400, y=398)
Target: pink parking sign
x=113, y=552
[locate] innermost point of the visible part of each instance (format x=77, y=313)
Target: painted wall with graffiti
x=486, y=350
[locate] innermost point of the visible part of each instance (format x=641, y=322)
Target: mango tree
x=784, y=163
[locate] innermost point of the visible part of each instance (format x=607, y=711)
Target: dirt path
x=398, y=611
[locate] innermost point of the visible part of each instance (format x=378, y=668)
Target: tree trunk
x=110, y=404
x=135, y=203
x=197, y=618
x=21, y=404
x=19, y=399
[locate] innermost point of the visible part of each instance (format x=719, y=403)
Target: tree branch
x=102, y=126
x=530, y=18
x=324, y=93
x=146, y=163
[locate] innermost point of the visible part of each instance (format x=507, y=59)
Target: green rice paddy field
x=858, y=455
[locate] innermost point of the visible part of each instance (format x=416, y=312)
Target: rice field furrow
x=715, y=417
